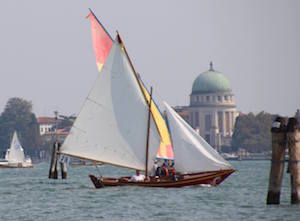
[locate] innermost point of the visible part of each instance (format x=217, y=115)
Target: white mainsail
x=192, y=153
x=15, y=154
x=112, y=125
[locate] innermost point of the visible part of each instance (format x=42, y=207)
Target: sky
x=46, y=53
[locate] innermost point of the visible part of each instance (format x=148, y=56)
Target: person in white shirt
x=138, y=177
x=154, y=169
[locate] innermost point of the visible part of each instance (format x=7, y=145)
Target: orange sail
x=102, y=41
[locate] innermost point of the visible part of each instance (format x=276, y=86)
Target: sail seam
x=95, y=102
x=79, y=129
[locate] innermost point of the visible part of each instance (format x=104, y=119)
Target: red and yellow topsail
x=102, y=43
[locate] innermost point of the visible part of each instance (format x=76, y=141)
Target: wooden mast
x=137, y=77
x=150, y=101
x=130, y=62
x=148, y=133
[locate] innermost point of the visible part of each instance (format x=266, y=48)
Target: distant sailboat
x=116, y=127
x=14, y=157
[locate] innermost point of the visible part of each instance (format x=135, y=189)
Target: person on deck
x=164, y=170
x=154, y=169
x=138, y=177
x=172, y=172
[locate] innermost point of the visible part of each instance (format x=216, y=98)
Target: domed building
x=212, y=111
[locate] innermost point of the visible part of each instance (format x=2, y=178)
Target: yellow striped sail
x=165, y=149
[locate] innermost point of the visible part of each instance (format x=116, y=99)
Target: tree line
x=252, y=132
x=18, y=115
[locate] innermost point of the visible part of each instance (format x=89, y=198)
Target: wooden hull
x=212, y=178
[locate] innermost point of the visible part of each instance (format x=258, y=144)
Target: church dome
x=211, y=81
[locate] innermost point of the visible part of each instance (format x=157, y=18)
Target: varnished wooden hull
x=210, y=178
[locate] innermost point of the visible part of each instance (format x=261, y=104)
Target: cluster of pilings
x=54, y=164
x=284, y=135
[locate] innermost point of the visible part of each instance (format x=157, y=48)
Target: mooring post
x=63, y=166
x=53, y=163
x=278, y=132
x=293, y=138
x=56, y=161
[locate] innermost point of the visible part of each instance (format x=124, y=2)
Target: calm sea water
x=27, y=194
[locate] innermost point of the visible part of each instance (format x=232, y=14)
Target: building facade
x=46, y=124
x=212, y=110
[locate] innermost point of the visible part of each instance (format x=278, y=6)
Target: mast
x=148, y=133
x=150, y=101
x=130, y=62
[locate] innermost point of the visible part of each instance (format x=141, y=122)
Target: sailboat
x=116, y=126
x=102, y=42
x=14, y=157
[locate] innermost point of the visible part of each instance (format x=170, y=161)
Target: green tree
x=252, y=132
x=17, y=115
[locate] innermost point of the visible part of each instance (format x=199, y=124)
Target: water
x=27, y=194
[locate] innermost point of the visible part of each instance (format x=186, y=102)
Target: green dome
x=211, y=81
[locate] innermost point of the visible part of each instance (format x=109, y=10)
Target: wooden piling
x=53, y=171
x=293, y=138
x=63, y=166
x=55, y=168
x=278, y=131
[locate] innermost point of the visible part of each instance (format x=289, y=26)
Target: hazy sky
x=46, y=53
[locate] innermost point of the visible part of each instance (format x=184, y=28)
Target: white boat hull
x=16, y=165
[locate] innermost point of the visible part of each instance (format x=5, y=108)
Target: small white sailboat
x=116, y=123
x=15, y=157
